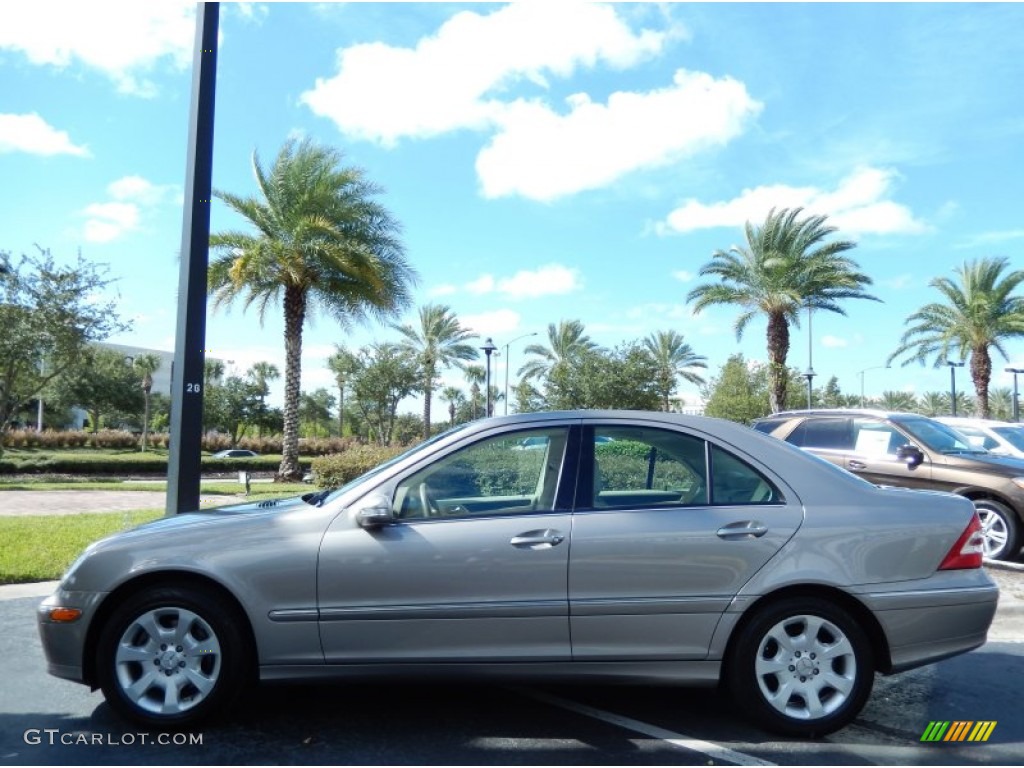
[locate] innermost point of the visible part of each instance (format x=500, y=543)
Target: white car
x=999, y=437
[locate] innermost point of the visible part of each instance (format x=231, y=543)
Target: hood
x=219, y=515
x=990, y=462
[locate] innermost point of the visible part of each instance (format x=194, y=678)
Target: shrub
x=335, y=470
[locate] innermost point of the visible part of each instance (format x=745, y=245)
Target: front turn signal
x=65, y=615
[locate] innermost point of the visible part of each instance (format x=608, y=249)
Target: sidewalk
x=20, y=503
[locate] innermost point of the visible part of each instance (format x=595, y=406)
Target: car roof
x=878, y=413
x=972, y=422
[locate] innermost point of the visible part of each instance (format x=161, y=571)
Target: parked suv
x=998, y=437
x=913, y=451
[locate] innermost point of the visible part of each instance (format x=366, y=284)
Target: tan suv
x=913, y=451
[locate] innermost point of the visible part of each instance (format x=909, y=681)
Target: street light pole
x=508, y=364
x=863, y=400
x=952, y=383
x=1016, y=397
x=488, y=349
x=809, y=374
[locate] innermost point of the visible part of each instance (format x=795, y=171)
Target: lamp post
x=809, y=374
x=508, y=363
x=952, y=383
x=1016, y=398
x=488, y=349
x=863, y=401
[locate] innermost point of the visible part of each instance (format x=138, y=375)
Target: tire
x=1001, y=528
x=171, y=657
x=800, y=683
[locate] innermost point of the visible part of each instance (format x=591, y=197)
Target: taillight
x=968, y=550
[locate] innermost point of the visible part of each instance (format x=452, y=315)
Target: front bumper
x=64, y=643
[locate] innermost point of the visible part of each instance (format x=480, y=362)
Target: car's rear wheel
x=171, y=657
x=1000, y=527
x=801, y=667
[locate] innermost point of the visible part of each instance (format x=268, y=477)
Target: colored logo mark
x=958, y=730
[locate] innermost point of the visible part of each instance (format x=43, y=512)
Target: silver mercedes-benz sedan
x=621, y=546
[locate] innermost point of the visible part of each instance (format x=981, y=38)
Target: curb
x=1003, y=565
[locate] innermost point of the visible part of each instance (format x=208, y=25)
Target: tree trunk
x=341, y=409
x=426, y=411
x=294, y=317
x=145, y=423
x=778, y=350
x=981, y=374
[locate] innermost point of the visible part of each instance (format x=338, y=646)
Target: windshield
x=326, y=495
x=937, y=436
x=1013, y=435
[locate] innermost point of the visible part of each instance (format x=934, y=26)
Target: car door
x=668, y=528
x=875, y=456
x=474, y=567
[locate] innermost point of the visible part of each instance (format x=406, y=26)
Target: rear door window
x=830, y=433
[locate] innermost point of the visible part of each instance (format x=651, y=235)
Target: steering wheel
x=430, y=508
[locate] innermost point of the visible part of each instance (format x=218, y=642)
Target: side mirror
x=375, y=512
x=910, y=454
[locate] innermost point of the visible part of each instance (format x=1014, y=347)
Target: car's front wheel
x=170, y=657
x=1000, y=527
x=801, y=667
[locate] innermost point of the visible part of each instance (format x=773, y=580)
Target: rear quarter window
x=829, y=434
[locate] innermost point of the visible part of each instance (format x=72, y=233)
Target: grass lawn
x=40, y=548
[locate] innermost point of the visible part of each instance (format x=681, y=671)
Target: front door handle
x=854, y=464
x=747, y=529
x=544, y=539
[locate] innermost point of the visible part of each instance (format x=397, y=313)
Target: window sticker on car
x=872, y=442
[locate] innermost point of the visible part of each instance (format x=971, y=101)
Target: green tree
x=229, y=405
x=978, y=313
x=49, y=317
x=315, y=411
x=624, y=378
x=321, y=242
x=146, y=365
x=475, y=376
x=1000, y=403
x=385, y=377
x=260, y=375
x=933, y=403
x=673, y=358
x=343, y=364
x=103, y=384
x=438, y=342
x=566, y=342
x=785, y=266
x=739, y=392
x=455, y=399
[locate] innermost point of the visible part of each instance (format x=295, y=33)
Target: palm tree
x=261, y=374
x=439, y=342
x=455, y=398
x=566, y=343
x=673, y=358
x=1000, y=403
x=147, y=366
x=343, y=365
x=321, y=242
x=475, y=376
x=897, y=401
x=933, y=403
x=785, y=266
x=979, y=313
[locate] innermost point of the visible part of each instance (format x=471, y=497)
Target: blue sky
x=547, y=161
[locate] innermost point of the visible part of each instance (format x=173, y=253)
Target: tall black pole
x=190, y=340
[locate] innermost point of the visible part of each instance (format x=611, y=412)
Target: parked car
x=687, y=551
x=234, y=453
x=913, y=451
x=999, y=437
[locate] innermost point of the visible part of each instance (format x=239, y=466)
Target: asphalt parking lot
x=46, y=721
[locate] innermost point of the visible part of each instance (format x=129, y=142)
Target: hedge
x=131, y=463
x=338, y=469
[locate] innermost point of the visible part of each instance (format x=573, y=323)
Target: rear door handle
x=544, y=539
x=747, y=529
x=854, y=464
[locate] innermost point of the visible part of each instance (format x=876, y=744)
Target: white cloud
x=31, y=134
x=834, y=342
x=492, y=323
x=131, y=197
x=451, y=79
x=543, y=155
x=549, y=280
x=858, y=205
x=683, y=276
x=899, y=282
x=442, y=290
x=123, y=40
x=109, y=221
